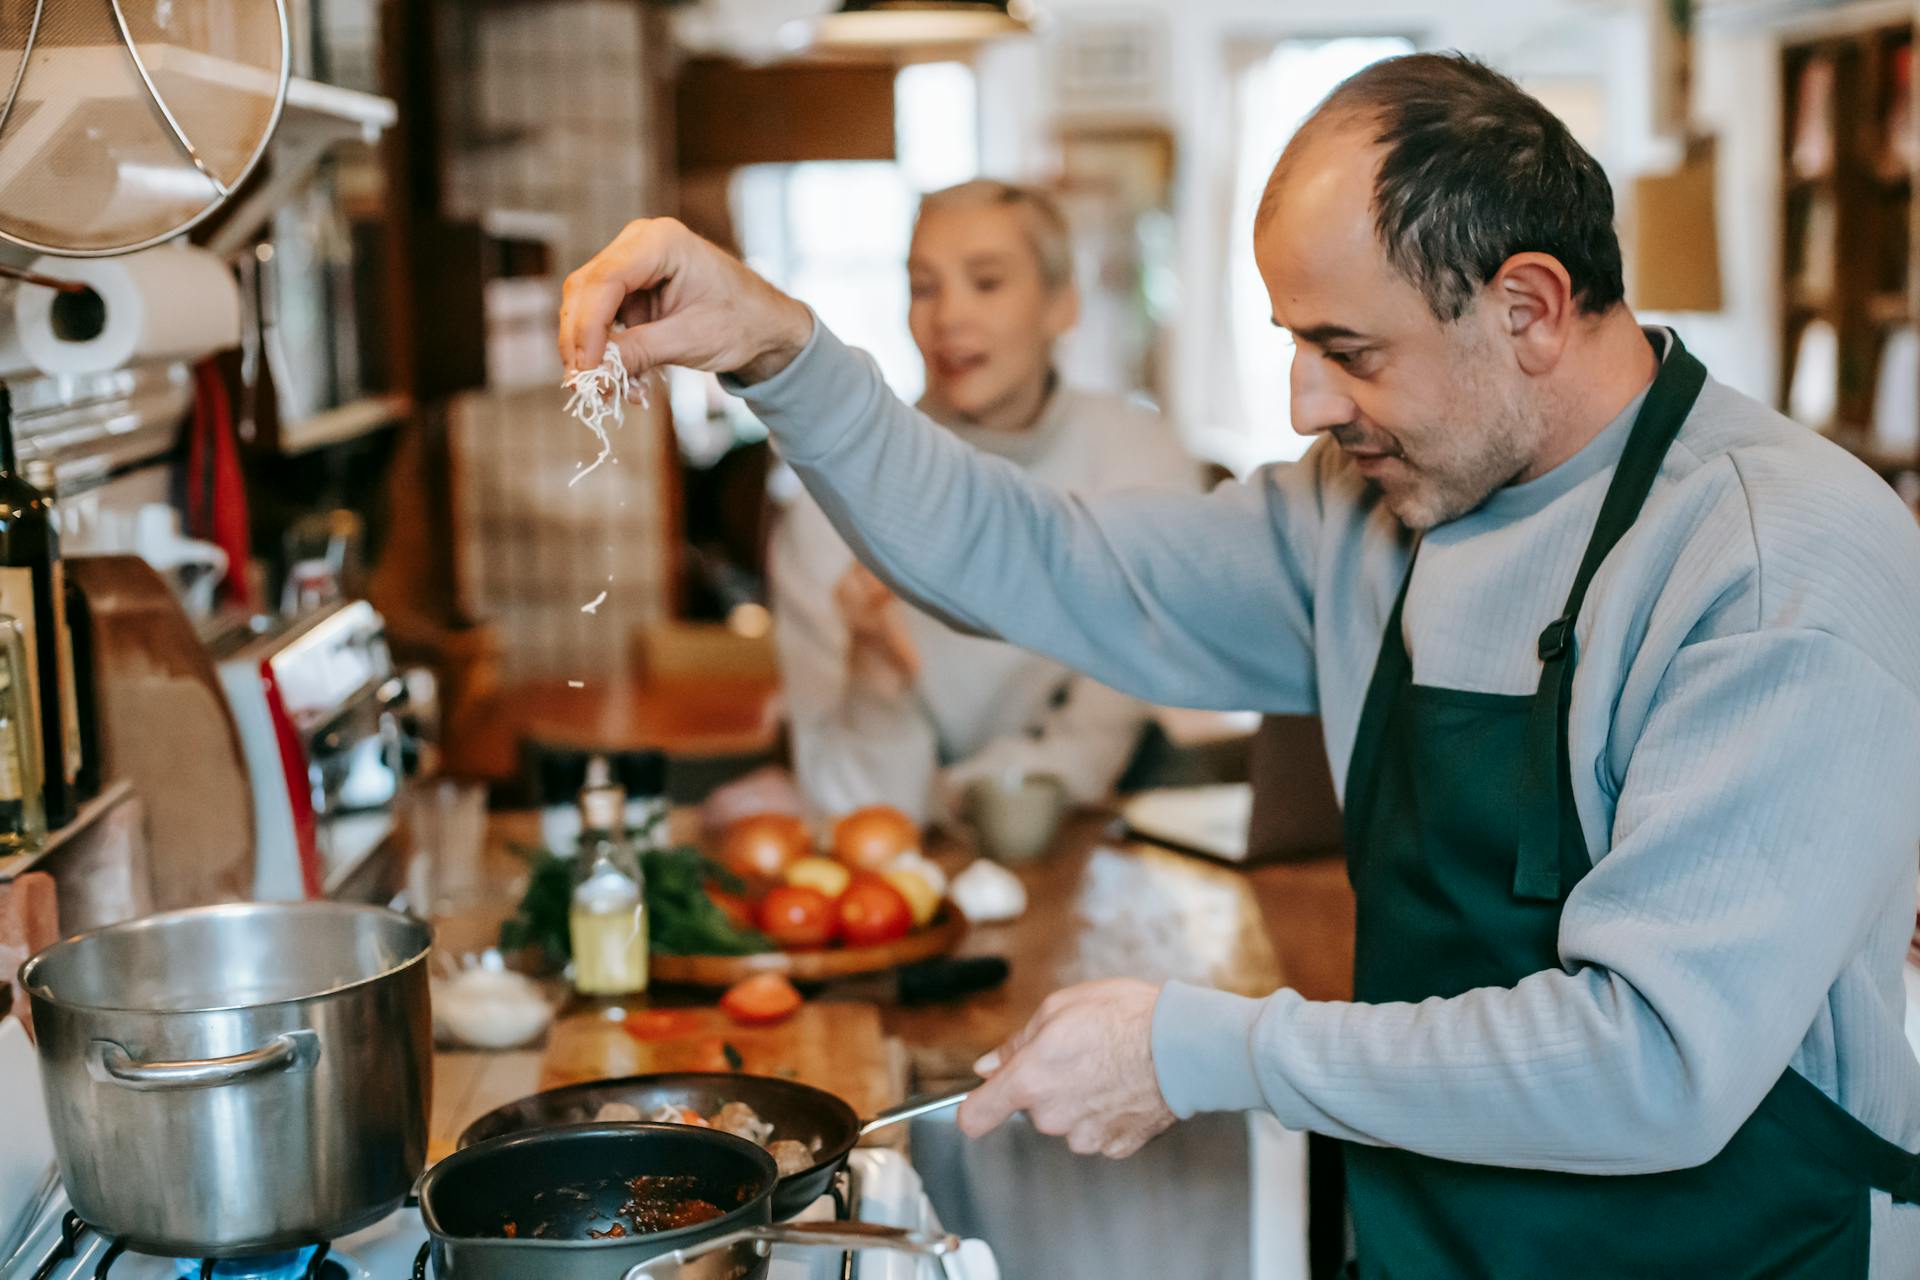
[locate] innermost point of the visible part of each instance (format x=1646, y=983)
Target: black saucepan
x=795, y=1110
x=544, y=1206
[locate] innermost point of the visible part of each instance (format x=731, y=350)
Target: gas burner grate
x=71, y=1229
x=312, y=1262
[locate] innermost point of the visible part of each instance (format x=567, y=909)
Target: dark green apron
x=1462, y=843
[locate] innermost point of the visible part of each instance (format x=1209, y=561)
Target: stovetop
x=883, y=1186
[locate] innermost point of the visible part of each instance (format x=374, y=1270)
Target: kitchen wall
x=552, y=126
x=1595, y=50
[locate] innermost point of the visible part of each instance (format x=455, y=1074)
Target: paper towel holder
x=44, y=281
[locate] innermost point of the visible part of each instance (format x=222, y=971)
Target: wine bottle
x=23, y=819
x=39, y=473
x=32, y=591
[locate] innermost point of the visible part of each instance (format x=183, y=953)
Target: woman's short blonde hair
x=1046, y=225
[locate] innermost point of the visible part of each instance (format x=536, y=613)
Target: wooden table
x=1097, y=908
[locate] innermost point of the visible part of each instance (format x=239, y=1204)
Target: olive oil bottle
x=607, y=919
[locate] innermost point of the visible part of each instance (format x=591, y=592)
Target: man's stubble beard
x=1461, y=467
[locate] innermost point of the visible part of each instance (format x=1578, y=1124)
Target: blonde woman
x=887, y=704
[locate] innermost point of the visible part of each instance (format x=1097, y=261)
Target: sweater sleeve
x=1173, y=597
x=1754, y=842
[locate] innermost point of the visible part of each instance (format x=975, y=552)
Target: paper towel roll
x=160, y=304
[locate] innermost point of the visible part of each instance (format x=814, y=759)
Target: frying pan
x=795, y=1110
x=557, y=1186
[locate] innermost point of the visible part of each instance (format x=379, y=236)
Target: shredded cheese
x=599, y=396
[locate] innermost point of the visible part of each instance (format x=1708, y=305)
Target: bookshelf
x=1850, y=326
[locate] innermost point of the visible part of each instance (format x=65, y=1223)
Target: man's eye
x=919, y=292
x=987, y=284
x=1346, y=359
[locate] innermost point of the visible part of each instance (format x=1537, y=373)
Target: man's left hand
x=1082, y=1069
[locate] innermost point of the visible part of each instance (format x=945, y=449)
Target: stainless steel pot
x=237, y=1079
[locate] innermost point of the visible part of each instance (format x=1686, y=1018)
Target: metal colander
x=125, y=122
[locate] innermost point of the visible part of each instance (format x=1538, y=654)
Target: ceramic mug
x=1015, y=819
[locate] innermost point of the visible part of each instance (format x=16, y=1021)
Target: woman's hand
x=877, y=635
x=684, y=302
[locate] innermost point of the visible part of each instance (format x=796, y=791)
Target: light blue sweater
x=1745, y=739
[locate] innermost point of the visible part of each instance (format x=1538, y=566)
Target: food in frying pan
x=654, y=1202
x=737, y=1118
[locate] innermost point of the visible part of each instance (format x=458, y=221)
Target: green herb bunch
x=681, y=919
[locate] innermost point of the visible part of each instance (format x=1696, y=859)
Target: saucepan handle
x=109, y=1061
x=912, y=1109
x=826, y=1235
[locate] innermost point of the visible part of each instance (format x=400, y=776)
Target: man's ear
x=1535, y=308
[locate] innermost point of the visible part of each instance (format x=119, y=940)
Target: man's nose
x=1318, y=404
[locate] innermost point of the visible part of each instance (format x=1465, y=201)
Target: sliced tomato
x=734, y=907
x=794, y=916
x=662, y=1024
x=763, y=999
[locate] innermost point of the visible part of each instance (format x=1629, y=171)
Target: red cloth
x=216, y=491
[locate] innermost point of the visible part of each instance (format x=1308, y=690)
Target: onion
x=868, y=839
x=760, y=847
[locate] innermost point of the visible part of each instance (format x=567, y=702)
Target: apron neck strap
x=1552, y=849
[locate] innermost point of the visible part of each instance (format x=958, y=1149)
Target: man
x=1628, y=752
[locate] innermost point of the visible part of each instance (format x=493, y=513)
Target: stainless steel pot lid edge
x=39, y=990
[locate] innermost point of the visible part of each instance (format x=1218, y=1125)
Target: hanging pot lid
x=126, y=122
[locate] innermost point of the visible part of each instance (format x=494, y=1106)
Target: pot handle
x=826, y=1235
x=108, y=1061
x=912, y=1109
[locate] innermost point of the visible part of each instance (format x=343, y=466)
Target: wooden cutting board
x=837, y=1046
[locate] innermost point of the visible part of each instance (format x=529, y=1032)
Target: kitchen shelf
x=317, y=118
x=1889, y=308
x=350, y=421
x=109, y=799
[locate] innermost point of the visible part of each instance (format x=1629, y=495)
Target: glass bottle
x=32, y=593
x=23, y=818
x=607, y=918
x=39, y=473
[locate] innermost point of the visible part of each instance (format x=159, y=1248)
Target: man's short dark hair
x=1473, y=171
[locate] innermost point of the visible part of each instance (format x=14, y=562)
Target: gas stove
x=41, y=1239
x=881, y=1186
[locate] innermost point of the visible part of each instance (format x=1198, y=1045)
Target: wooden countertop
x=1098, y=908
x=1102, y=908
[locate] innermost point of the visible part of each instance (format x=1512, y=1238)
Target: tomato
x=797, y=917
x=760, y=847
x=762, y=999
x=735, y=908
x=661, y=1024
x=868, y=839
x=872, y=911
x=824, y=874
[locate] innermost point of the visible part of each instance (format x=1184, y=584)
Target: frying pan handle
x=912, y=1109
x=828, y=1235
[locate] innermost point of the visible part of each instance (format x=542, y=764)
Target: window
x=834, y=234
x=1272, y=93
